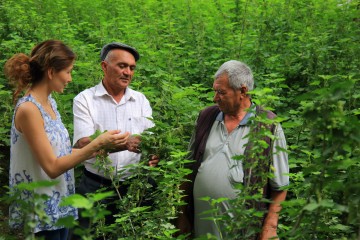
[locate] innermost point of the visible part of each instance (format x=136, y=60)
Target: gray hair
x=239, y=74
x=108, y=56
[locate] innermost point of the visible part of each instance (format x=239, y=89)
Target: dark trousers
x=90, y=183
x=60, y=234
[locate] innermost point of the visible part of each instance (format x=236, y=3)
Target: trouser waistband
x=97, y=178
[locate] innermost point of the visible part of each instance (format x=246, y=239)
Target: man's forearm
x=271, y=221
x=82, y=142
x=272, y=217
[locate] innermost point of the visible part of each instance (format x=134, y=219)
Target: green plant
x=298, y=50
x=28, y=202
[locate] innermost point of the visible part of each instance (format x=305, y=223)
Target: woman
x=40, y=144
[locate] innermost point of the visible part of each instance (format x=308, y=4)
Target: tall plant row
x=304, y=55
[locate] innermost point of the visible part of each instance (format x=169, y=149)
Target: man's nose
x=216, y=97
x=127, y=70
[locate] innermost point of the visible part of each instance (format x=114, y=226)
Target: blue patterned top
x=24, y=168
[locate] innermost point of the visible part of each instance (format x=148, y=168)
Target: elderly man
x=221, y=133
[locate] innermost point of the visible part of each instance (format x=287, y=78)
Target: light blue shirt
x=219, y=171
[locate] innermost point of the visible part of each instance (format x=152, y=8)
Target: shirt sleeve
x=83, y=122
x=147, y=113
x=280, y=165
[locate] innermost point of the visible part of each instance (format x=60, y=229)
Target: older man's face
x=226, y=97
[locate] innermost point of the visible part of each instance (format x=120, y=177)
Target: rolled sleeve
x=83, y=122
x=280, y=160
x=147, y=113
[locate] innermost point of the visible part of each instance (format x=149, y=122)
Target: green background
x=305, y=59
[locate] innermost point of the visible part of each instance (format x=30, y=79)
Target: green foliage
x=92, y=208
x=304, y=55
x=29, y=202
x=330, y=208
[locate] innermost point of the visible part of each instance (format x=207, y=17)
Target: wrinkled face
x=60, y=79
x=226, y=97
x=119, y=68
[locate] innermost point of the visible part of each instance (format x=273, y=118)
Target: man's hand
x=133, y=143
x=153, y=161
x=268, y=232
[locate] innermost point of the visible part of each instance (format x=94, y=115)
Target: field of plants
x=305, y=59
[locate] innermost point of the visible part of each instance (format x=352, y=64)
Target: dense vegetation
x=305, y=57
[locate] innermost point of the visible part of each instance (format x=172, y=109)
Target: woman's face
x=61, y=78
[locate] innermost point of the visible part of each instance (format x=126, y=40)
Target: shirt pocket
x=139, y=124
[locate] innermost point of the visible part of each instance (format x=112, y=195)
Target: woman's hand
x=113, y=140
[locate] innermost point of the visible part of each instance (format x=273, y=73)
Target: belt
x=97, y=178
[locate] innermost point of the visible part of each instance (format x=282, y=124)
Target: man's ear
x=103, y=65
x=244, y=89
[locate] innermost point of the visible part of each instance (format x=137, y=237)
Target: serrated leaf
x=78, y=201
x=311, y=207
x=34, y=185
x=100, y=196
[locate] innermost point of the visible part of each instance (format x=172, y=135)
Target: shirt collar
x=244, y=121
x=101, y=91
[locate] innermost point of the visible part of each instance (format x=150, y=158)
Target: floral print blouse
x=24, y=168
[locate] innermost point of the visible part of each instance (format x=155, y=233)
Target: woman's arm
x=29, y=121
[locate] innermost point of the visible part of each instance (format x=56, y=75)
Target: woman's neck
x=40, y=94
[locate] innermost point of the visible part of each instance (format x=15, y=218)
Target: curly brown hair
x=25, y=71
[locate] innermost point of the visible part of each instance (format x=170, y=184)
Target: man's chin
x=125, y=82
x=220, y=107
